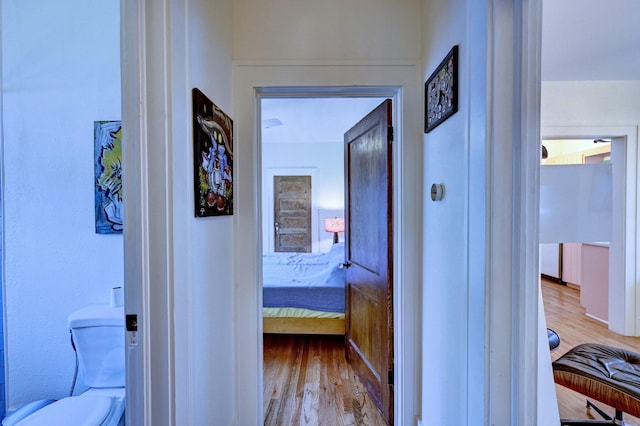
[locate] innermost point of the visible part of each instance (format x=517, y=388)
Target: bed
x=303, y=293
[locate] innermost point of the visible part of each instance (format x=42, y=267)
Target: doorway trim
x=624, y=292
x=402, y=84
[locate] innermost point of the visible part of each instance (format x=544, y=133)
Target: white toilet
x=98, y=335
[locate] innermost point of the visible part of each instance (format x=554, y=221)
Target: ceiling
x=312, y=119
x=581, y=40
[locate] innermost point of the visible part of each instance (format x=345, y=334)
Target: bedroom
x=303, y=190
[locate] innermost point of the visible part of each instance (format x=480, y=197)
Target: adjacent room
x=304, y=265
x=588, y=195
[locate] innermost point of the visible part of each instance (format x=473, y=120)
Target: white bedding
x=305, y=280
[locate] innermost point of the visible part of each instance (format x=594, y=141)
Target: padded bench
x=604, y=373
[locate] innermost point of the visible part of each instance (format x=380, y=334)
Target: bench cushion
x=607, y=374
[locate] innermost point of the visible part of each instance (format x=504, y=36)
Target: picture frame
x=107, y=165
x=212, y=158
x=441, y=92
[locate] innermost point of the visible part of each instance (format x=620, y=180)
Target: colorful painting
x=441, y=92
x=108, y=174
x=212, y=158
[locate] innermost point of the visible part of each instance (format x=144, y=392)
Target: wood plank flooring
x=307, y=381
x=567, y=317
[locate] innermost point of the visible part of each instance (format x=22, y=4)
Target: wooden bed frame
x=280, y=325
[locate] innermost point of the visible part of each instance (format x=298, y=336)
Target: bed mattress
x=299, y=313
x=305, y=280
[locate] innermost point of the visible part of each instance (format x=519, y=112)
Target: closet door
x=292, y=213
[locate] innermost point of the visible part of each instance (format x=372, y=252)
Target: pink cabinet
x=594, y=288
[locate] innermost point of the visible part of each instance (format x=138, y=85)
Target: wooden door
x=369, y=287
x=292, y=213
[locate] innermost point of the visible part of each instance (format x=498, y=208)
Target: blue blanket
x=305, y=280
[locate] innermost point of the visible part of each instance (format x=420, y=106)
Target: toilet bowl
x=95, y=407
x=98, y=337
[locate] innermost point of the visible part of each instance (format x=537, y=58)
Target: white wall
x=328, y=159
x=592, y=103
x=182, y=364
x=329, y=31
x=289, y=43
x=448, y=289
x=60, y=73
x=479, y=297
x=208, y=267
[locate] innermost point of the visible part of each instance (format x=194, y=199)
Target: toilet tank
x=98, y=335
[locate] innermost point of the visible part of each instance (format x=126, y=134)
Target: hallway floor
x=567, y=317
x=307, y=381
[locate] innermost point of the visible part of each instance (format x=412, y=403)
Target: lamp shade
x=334, y=225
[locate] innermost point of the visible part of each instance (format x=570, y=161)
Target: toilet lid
x=87, y=410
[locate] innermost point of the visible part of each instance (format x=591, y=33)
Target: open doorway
x=620, y=308
x=303, y=146
x=592, y=305
x=578, y=255
x=398, y=83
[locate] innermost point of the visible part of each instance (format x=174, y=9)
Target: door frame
x=624, y=276
x=321, y=92
x=254, y=82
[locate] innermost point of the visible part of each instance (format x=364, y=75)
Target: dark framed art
x=441, y=92
x=212, y=158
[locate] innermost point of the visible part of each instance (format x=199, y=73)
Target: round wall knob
x=437, y=191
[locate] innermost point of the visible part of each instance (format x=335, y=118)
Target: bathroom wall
x=60, y=73
x=3, y=390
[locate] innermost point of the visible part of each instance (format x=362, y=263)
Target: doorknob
x=277, y=225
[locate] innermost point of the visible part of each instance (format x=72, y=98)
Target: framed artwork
x=107, y=137
x=441, y=92
x=212, y=158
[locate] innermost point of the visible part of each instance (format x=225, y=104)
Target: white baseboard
x=597, y=319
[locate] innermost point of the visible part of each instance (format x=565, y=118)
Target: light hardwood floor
x=566, y=316
x=307, y=381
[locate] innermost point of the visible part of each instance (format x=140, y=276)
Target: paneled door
x=369, y=286
x=292, y=213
